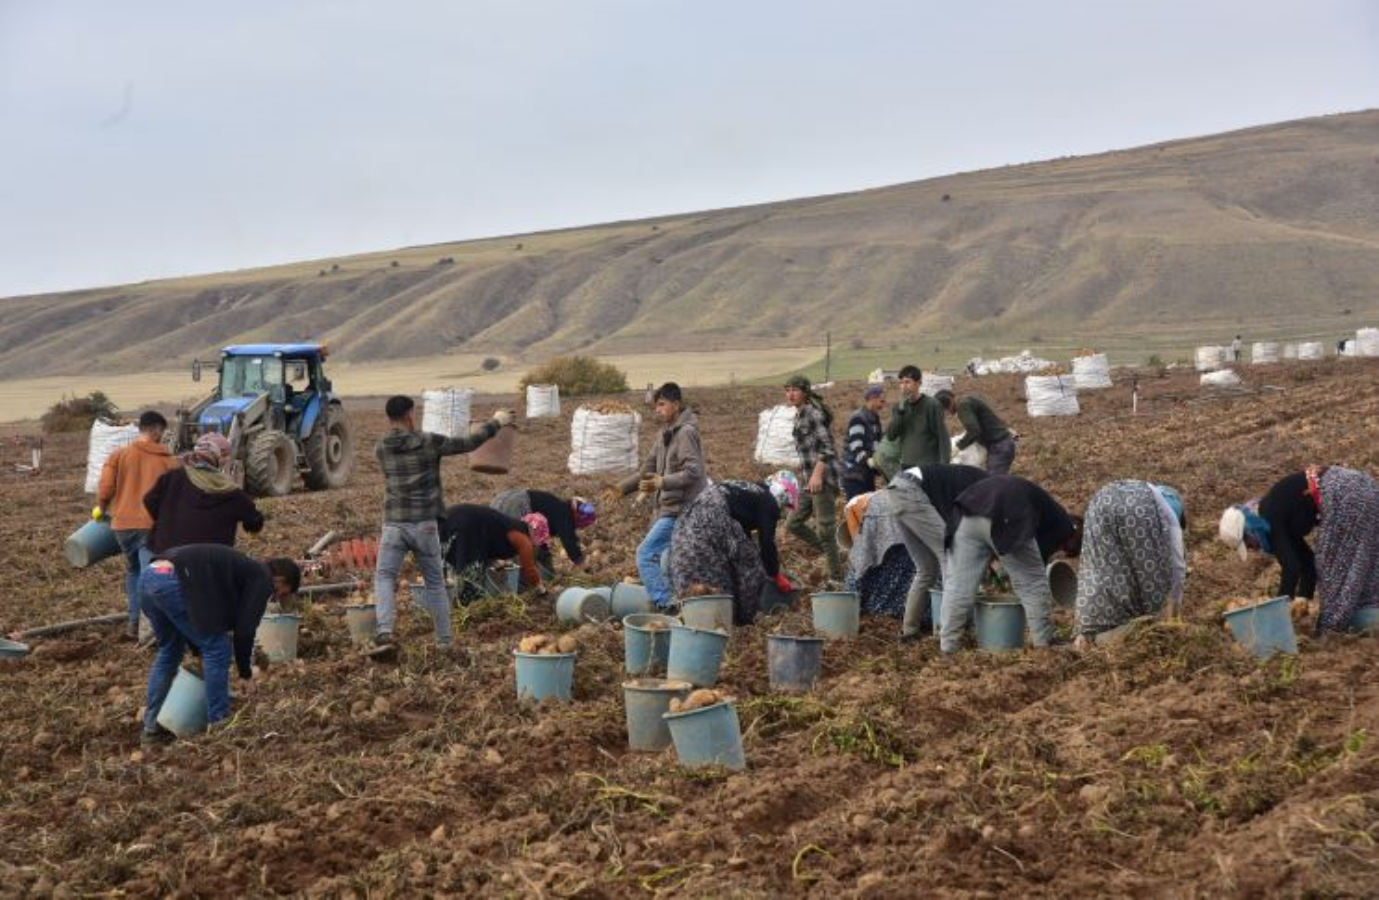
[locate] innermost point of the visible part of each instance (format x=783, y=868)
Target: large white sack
x=932, y=382
x=1051, y=395
x=1091, y=372
x=1290, y=351
x=105, y=440
x=543, y=401
x=603, y=442
x=973, y=454
x=446, y=411
x=1367, y=342
x=776, y=437
x=1211, y=357
x=1223, y=378
x=1264, y=352
x=1349, y=348
x=1311, y=350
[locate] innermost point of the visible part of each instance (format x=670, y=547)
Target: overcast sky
x=147, y=139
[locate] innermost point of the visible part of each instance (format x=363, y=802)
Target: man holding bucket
x=211, y=597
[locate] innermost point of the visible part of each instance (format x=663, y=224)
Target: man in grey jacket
x=673, y=474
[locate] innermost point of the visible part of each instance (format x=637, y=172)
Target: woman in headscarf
x=1133, y=563
x=475, y=536
x=199, y=503
x=1343, y=506
x=565, y=518
x=757, y=507
x=710, y=551
x=880, y=569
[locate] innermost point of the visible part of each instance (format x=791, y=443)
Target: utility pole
x=828, y=355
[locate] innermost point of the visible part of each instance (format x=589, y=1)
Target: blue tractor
x=276, y=406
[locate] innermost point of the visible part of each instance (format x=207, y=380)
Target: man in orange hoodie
x=127, y=476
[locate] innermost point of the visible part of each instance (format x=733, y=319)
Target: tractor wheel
x=271, y=465
x=330, y=451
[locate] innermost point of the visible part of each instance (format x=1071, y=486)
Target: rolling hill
x=1268, y=230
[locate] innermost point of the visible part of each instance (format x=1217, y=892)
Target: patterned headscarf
x=585, y=512
x=785, y=487
x=210, y=452
x=538, y=528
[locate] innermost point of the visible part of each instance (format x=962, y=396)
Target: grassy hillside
x=1270, y=231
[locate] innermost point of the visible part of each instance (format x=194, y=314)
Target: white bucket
x=277, y=635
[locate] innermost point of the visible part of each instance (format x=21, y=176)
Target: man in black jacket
x=211, y=597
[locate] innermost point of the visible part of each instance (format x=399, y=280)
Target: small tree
x=576, y=375
x=77, y=413
x=490, y=363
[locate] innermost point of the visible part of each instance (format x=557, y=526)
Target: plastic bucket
x=695, y=655
x=362, y=621
x=936, y=610
x=1264, y=628
x=184, y=709
x=710, y=736
x=1365, y=619
x=836, y=614
x=711, y=611
x=646, y=649
x=502, y=580
x=628, y=599
x=1000, y=625
x=773, y=597
x=793, y=663
x=647, y=701
x=576, y=605
x=543, y=676
x=277, y=636
x=1062, y=576
x=494, y=456
x=90, y=544
x=12, y=649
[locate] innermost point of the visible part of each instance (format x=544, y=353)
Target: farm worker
x=1343, y=505
x=126, y=477
x=565, y=518
x=475, y=536
x=198, y=503
x=757, y=507
x=673, y=475
x=983, y=427
x=923, y=499
x=819, y=463
x=863, y=434
x=1235, y=348
x=917, y=424
x=211, y=597
x=879, y=567
x=1133, y=564
x=711, y=553
x=414, y=501
x=1021, y=525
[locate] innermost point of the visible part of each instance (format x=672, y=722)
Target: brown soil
x=1173, y=765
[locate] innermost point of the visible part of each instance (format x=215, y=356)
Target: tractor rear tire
x=330, y=451
x=270, y=465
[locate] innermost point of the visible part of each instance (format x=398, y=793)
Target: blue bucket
x=793, y=663
x=505, y=580
x=1000, y=625
x=695, y=655
x=362, y=621
x=12, y=649
x=1264, y=628
x=577, y=605
x=184, y=709
x=91, y=543
x=1366, y=620
x=710, y=736
x=837, y=614
x=277, y=635
x=542, y=676
x=628, y=600
x=1062, y=578
x=647, y=701
x=646, y=649
x=711, y=611
x=936, y=610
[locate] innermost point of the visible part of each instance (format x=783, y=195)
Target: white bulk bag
x=105, y=440
x=1208, y=358
x=603, y=442
x=1311, y=350
x=1051, y=395
x=932, y=382
x=1349, y=348
x=1223, y=378
x=776, y=437
x=877, y=376
x=1367, y=342
x=1290, y=351
x=1264, y=352
x=973, y=454
x=543, y=401
x=446, y=411
x=1091, y=372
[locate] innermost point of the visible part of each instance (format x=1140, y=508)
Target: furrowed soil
x=1174, y=765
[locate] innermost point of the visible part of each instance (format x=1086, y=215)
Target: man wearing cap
x=822, y=472
x=917, y=424
x=199, y=503
x=981, y=426
x=127, y=475
x=863, y=434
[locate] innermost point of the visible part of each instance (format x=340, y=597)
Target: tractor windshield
x=249, y=375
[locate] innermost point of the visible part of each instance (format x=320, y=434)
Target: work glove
x=650, y=484
x=97, y=513
x=504, y=417
x=782, y=583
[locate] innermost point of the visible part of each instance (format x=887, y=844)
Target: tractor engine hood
x=221, y=414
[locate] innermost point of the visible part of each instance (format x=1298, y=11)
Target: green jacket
x=919, y=428
x=980, y=423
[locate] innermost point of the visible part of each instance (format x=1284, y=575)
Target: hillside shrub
x=77, y=413
x=490, y=363
x=577, y=375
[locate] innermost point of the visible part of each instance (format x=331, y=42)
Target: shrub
x=576, y=375
x=77, y=413
x=489, y=364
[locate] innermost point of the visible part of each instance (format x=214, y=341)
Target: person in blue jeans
x=210, y=597
x=672, y=475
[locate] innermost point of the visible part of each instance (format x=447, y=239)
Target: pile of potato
x=609, y=408
x=548, y=644
x=697, y=700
